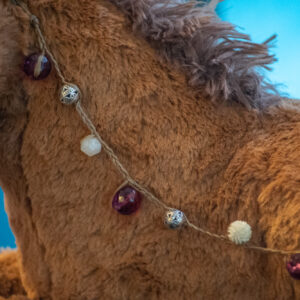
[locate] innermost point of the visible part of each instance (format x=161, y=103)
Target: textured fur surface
x=10, y=283
x=215, y=56
x=218, y=163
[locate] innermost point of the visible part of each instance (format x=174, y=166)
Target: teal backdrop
x=260, y=19
x=263, y=18
x=6, y=237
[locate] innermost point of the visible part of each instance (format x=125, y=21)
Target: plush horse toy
x=195, y=193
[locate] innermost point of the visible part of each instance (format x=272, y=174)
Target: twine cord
x=87, y=121
x=41, y=39
x=128, y=179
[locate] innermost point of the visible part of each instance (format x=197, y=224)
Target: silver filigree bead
x=70, y=93
x=174, y=218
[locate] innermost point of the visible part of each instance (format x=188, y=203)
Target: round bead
x=293, y=266
x=174, y=218
x=239, y=232
x=37, y=66
x=90, y=145
x=127, y=200
x=69, y=94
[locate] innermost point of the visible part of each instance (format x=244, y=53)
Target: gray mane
x=215, y=56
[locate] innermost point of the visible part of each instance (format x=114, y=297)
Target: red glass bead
x=37, y=66
x=127, y=200
x=293, y=266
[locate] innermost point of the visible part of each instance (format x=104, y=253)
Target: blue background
x=263, y=18
x=260, y=19
x=6, y=236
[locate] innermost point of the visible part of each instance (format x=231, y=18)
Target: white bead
x=239, y=232
x=90, y=145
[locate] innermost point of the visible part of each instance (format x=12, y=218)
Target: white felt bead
x=239, y=232
x=90, y=145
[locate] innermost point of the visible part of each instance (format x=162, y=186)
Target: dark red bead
x=37, y=66
x=293, y=266
x=127, y=200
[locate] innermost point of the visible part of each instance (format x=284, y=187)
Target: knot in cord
x=34, y=20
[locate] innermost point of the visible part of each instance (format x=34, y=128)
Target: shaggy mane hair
x=213, y=54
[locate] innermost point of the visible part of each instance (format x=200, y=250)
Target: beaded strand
x=239, y=232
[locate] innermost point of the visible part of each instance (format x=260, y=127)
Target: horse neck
x=117, y=72
x=165, y=133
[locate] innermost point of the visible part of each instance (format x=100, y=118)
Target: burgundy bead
x=127, y=200
x=37, y=66
x=293, y=266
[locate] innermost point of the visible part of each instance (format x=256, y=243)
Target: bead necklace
x=128, y=197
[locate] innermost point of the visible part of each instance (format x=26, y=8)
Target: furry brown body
x=216, y=163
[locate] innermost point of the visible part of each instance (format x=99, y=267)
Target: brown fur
x=10, y=282
x=15, y=297
x=217, y=163
x=218, y=59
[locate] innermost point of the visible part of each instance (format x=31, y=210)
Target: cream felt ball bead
x=90, y=145
x=239, y=232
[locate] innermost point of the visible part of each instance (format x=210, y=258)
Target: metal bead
x=70, y=93
x=174, y=218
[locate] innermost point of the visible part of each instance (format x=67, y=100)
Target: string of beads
x=239, y=232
